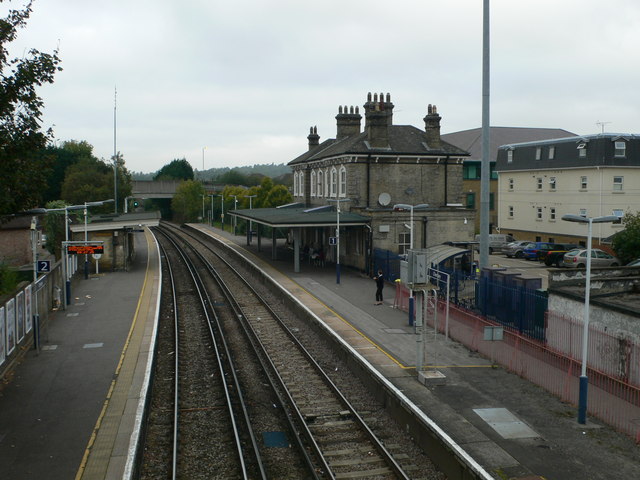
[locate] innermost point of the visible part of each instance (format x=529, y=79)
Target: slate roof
x=471, y=140
x=299, y=216
x=403, y=140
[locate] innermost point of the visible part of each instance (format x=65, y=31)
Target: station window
x=313, y=183
x=334, y=183
x=404, y=244
x=320, y=180
x=343, y=182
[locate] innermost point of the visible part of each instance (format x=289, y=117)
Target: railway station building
x=380, y=176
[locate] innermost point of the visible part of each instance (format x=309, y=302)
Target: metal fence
x=18, y=322
x=614, y=362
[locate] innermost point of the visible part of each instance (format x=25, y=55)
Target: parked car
x=531, y=250
x=556, y=254
x=497, y=241
x=578, y=259
x=634, y=263
x=514, y=249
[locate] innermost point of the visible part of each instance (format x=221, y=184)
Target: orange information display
x=84, y=249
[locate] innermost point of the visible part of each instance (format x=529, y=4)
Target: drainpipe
x=446, y=180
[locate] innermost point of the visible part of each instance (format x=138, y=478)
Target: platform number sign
x=333, y=240
x=44, y=266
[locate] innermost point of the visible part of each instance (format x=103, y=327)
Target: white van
x=497, y=241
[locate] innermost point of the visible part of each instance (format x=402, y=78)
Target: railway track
x=205, y=394
x=322, y=419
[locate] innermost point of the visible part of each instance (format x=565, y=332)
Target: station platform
x=71, y=410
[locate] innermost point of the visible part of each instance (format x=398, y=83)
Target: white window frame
x=552, y=214
x=618, y=183
x=313, y=183
x=295, y=184
x=511, y=184
x=538, y=153
x=582, y=149
x=618, y=212
x=538, y=213
x=552, y=153
x=511, y=211
x=320, y=180
x=326, y=183
x=334, y=182
x=301, y=184
x=620, y=149
x=539, y=183
x=404, y=242
x=583, y=212
x=342, y=181
x=584, y=182
x=509, y=156
x=552, y=183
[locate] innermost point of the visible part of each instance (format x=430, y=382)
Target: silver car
x=578, y=259
x=515, y=249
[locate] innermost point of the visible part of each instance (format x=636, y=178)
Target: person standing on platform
x=379, y=286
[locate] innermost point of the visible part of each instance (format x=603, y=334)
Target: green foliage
x=626, y=243
x=91, y=180
x=23, y=168
x=54, y=224
x=232, y=177
x=70, y=153
x=178, y=169
x=8, y=279
x=187, y=202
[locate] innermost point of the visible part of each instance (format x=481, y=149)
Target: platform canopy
x=282, y=217
x=118, y=222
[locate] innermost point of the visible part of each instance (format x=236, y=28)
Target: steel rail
x=226, y=372
x=381, y=449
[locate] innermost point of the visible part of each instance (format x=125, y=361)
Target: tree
x=626, y=243
x=187, y=201
x=70, y=153
x=23, y=168
x=178, y=169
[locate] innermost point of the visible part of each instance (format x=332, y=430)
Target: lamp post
x=402, y=207
x=221, y=210
x=338, y=201
x=86, y=256
x=211, y=196
x=250, y=197
x=203, y=149
x=203, y=195
x=235, y=207
x=584, y=381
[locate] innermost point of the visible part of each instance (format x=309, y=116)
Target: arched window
x=334, y=182
x=295, y=184
x=343, y=181
x=313, y=183
x=320, y=183
x=326, y=182
x=301, y=184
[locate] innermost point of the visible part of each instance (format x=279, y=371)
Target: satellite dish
x=384, y=199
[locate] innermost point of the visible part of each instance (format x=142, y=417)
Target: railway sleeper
x=313, y=416
x=356, y=461
x=364, y=473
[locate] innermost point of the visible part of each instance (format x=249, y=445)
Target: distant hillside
x=270, y=170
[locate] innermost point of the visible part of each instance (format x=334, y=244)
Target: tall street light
x=250, y=197
x=338, y=201
x=235, y=207
x=86, y=206
x=211, y=195
x=402, y=207
x=203, y=149
x=584, y=382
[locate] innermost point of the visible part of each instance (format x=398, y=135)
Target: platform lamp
x=400, y=207
x=584, y=381
x=338, y=201
x=235, y=207
x=211, y=196
x=86, y=256
x=250, y=197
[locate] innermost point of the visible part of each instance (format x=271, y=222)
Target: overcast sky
x=247, y=78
